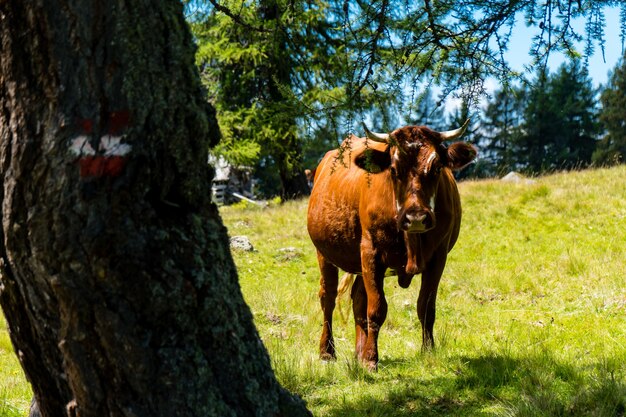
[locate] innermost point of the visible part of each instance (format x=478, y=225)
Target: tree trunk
x=117, y=282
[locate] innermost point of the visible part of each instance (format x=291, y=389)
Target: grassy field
x=15, y=393
x=531, y=310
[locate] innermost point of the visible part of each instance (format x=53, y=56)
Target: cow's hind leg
x=328, y=294
x=427, y=300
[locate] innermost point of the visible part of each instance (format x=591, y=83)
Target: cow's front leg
x=328, y=294
x=359, y=309
x=373, y=276
x=427, y=300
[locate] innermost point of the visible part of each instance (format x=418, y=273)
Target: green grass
x=531, y=310
x=15, y=393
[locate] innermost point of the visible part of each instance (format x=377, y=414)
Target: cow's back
x=340, y=196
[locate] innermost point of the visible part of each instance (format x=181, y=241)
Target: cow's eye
x=393, y=172
x=437, y=170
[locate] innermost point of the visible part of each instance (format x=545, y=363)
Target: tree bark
x=117, y=283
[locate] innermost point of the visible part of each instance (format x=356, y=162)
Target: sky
x=521, y=41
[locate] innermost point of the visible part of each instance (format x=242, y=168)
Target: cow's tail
x=344, y=285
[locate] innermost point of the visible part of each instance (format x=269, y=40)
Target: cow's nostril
x=428, y=222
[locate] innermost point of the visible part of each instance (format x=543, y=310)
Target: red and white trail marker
x=110, y=157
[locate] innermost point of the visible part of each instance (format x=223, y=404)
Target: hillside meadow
x=531, y=317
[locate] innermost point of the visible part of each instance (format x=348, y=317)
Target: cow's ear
x=373, y=161
x=460, y=155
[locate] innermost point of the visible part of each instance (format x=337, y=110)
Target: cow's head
x=416, y=158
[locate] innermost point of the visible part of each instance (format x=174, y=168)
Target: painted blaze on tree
x=117, y=283
x=405, y=214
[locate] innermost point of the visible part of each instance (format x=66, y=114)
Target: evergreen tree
x=612, y=148
x=574, y=99
x=539, y=127
x=502, y=121
x=249, y=72
x=429, y=112
x=560, y=129
x=354, y=60
x=473, y=134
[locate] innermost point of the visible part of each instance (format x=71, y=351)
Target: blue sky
x=521, y=41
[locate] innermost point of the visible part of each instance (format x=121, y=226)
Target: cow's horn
x=376, y=137
x=456, y=133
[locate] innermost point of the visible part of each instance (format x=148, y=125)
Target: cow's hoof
x=371, y=366
x=327, y=356
x=428, y=347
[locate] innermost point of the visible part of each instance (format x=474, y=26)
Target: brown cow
x=404, y=215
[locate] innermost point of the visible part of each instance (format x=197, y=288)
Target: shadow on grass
x=496, y=385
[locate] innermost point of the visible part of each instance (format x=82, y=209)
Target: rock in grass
x=288, y=253
x=517, y=178
x=241, y=243
x=288, y=249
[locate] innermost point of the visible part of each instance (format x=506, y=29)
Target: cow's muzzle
x=417, y=222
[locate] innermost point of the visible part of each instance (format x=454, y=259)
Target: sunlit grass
x=531, y=316
x=15, y=393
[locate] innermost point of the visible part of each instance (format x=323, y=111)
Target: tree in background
x=250, y=75
x=429, y=112
x=538, y=127
x=352, y=61
x=473, y=134
x=560, y=128
x=612, y=148
x=575, y=100
x=503, y=118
